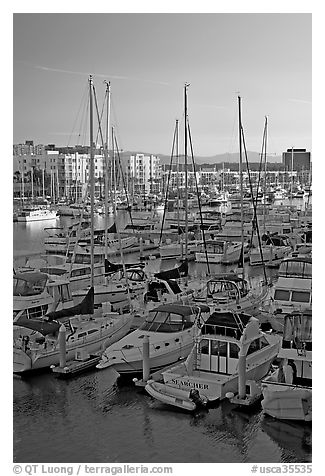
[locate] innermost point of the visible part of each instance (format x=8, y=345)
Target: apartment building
x=144, y=174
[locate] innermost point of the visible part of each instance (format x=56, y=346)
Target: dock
x=74, y=367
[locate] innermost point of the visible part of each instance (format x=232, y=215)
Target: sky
x=148, y=57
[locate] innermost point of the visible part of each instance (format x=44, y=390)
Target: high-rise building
x=296, y=159
x=144, y=172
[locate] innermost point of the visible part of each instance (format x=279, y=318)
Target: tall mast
x=265, y=171
x=291, y=184
x=177, y=180
x=106, y=149
x=91, y=171
x=186, y=174
x=241, y=173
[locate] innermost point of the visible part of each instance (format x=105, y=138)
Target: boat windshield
x=165, y=322
x=26, y=287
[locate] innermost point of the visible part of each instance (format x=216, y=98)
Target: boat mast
x=177, y=181
x=106, y=149
x=186, y=173
x=115, y=218
x=265, y=171
x=91, y=172
x=241, y=174
x=291, y=181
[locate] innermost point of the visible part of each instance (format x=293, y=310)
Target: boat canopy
x=169, y=318
x=179, y=272
x=29, y=283
x=226, y=323
x=43, y=327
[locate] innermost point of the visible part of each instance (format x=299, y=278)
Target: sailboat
x=36, y=341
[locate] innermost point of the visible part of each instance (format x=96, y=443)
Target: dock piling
x=62, y=346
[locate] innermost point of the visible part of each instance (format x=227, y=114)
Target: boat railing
x=222, y=330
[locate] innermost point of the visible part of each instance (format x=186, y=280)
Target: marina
x=162, y=274
x=102, y=399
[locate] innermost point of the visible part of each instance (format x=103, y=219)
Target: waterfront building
x=144, y=173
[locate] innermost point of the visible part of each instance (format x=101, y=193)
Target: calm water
x=94, y=418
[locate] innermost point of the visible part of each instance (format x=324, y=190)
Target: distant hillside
x=214, y=159
x=227, y=158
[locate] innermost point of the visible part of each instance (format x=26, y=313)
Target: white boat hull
x=113, y=293
x=213, y=386
x=41, y=217
x=40, y=359
x=165, y=349
x=269, y=254
x=287, y=402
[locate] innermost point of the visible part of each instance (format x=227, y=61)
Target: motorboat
x=219, y=252
x=31, y=214
x=212, y=366
x=74, y=210
x=293, y=289
x=171, y=329
x=287, y=391
x=36, y=293
x=36, y=343
x=59, y=239
x=58, y=266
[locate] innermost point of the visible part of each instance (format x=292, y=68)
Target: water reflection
x=294, y=438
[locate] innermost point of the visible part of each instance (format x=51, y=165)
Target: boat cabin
x=35, y=293
x=293, y=289
x=298, y=267
x=215, y=246
x=222, y=338
x=170, y=318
